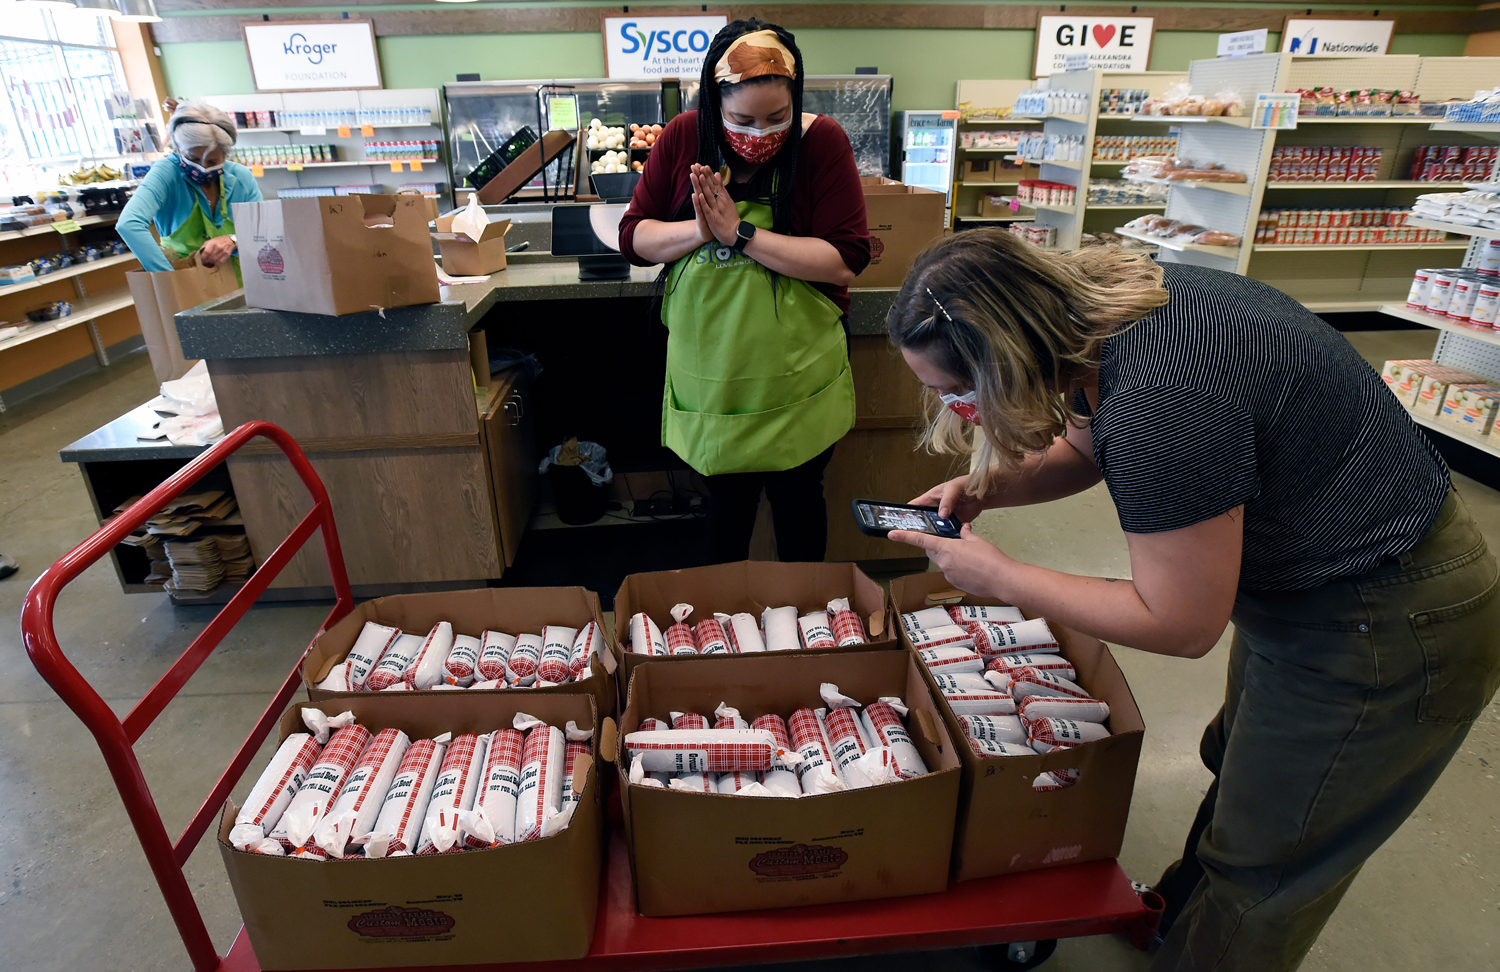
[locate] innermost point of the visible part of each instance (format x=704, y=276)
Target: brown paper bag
x=158, y=296
x=337, y=254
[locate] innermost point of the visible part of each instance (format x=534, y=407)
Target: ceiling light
x=139, y=12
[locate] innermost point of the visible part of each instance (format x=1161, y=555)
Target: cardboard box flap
x=494, y=230
x=609, y=740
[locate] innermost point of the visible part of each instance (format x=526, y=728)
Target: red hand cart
x=1016, y=920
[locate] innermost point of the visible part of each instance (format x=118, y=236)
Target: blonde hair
x=1017, y=324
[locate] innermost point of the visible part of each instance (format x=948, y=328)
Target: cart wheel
x=1017, y=955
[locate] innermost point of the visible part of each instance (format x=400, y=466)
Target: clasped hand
x=718, y=219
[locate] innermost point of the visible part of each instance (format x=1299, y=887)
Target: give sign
x=1111, y=43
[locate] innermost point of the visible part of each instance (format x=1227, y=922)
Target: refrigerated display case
x=928, y=139
x=860, y=103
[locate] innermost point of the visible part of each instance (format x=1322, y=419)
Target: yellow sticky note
x=416, y=166
x=343, y=131
x=367, y=130
x=395, y=166
x=294, y=167
x=257, y=170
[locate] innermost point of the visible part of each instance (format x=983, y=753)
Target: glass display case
x=482, y=115
x=861, y=103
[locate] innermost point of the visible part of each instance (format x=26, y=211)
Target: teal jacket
x=166, y=198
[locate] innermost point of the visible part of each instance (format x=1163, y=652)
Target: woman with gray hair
x=186, y=195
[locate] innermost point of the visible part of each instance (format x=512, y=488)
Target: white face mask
x=964, y=406
x=754, y=132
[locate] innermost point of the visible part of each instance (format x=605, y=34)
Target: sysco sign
x=658, y=47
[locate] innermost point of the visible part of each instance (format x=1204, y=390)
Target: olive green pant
x=1343, y=705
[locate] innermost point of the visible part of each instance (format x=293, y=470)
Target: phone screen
x=896, y=518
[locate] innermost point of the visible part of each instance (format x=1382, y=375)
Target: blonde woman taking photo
x=1263, y=475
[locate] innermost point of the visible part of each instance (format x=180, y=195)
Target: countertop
x=120, y=440
x=226, y=328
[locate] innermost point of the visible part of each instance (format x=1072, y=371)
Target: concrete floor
x=76, y=893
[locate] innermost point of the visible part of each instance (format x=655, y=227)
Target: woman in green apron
x=185, y=197
x=758, y=210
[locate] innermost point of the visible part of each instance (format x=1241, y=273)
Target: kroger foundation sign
x=1111, y=43
x=658, y=47
x=309, y=55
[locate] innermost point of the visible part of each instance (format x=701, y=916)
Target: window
x=57, y=67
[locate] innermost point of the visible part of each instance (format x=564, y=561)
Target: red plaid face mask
x=757, y=145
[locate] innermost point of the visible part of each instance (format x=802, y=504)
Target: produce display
x=90, y=174
x=644, y=136
x=385, y=659
x=823, y=750
x=778, y=629
x=339, y=791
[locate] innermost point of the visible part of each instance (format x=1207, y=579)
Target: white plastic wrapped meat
x=372, y=643
x=994, y=747
x=458, y=782
x=321, y=787
x=1079, y=710
x=985, y=612
x=426, y=669
x=363, y=792
x=951, y=658
x=462, y=661
x=688, y=720
x=520, y=667
x=816, y=631
x=492, y=822
x=702, y=750
x=884, y=722
x=1064, y=732
x=781, y=628
x=780, y=780
x=1033, y=637
x=1000, y=728
x=404, y=810
x=980, y=703
x=679, y=637
x=744, y=633
x=848, y=629
x=539, y=798
x=948, y=634
x=711, y=637
x=1027, y=682
x=271, y=793
x=645, y=636
x=494, y=650
x=933, y=617
x=575, y=745
x=588, y=644
x=815, y=774
x=393, y=664
x=1056, y=664
x=555, y=665
x=728, y=717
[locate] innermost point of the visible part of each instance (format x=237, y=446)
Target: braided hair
x=772, y=183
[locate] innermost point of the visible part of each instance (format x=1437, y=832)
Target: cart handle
x=116, y=737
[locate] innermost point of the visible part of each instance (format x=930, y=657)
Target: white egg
x=595, y=123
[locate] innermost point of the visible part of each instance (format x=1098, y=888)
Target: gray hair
x=199, y=125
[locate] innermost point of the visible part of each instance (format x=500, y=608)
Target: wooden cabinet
x=510, y=449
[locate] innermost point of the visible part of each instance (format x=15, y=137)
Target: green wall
x=925, y=63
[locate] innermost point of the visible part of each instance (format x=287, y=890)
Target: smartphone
x=879, y=519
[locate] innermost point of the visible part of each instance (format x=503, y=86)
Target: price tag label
x=67, y=226
x=258, y=171
x=367, y=130
x=313, y=130
x=562, y=113
x=1015, y=205
x=294, y=167
x=416, y=166
x=395, y=166
x=343, y=131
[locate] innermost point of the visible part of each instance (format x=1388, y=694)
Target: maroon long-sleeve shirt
x=827, y=200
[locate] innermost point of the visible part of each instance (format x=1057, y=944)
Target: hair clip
x=939, y=304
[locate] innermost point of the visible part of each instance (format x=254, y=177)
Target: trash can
x=579, y=473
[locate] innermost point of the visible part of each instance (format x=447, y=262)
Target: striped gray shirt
x=1234, y=394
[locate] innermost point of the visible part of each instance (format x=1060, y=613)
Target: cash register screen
x=587, y=230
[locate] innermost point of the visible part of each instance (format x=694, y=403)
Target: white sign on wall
x=1111, y=43
x=1336, y=38
x=658, y=47
x=1242, y=43
x=291, y=55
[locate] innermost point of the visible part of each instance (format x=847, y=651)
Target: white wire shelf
x=1437, y=224
x=84, y=309
x=1155, y=205
x=1478, y=128
x=1074, y=119
x=1483, y=334
x=1228, y=252
x=350, y=164
x=1233, y=188
x=1375, y=184
x=1293, y=247
x=78, y=268
x=1365, y=120
x=1350, y=306
x=1441, y=428
x=1238, y=121
x=82, y=221
x=1062, y=163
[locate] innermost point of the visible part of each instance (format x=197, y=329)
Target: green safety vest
x=198, y=229
x=758, y=377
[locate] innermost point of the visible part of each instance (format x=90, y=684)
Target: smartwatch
x=743, y=235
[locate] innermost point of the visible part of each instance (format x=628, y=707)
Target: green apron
x=198, y=229
x=758, y=379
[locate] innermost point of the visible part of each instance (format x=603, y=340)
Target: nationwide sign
x=1336, y=38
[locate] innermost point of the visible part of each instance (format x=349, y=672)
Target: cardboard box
x=337, y=254
x=750, y=585
x=463, y=257
x=1470, y=409
x=527, y=902
x=903, y=220
x=991, y=204
x=1004, y=825
x=514, y=610
x=700, y=853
